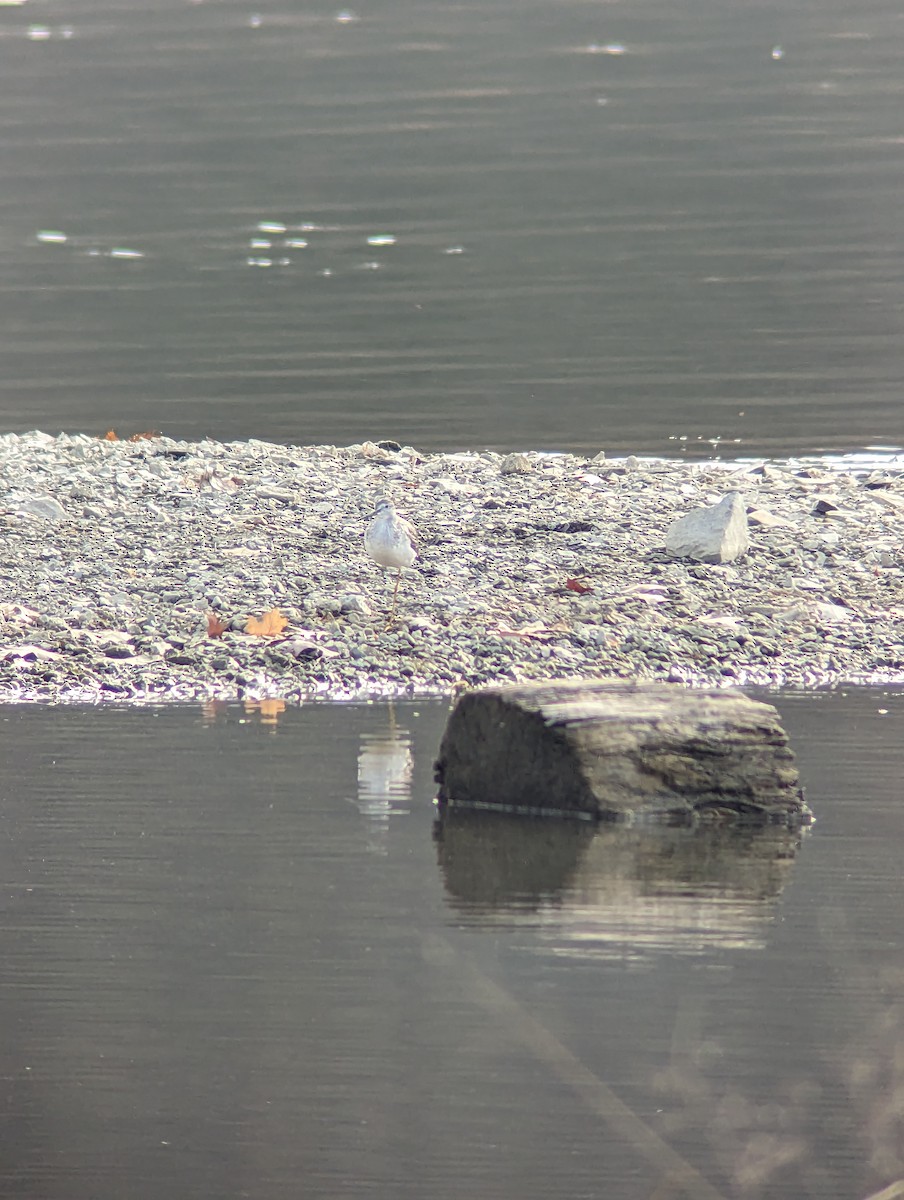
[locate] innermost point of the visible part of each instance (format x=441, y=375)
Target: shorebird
x=390, y=541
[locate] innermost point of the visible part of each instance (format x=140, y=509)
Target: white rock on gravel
x=44, y=507
x=516, y=464
x=713, y=535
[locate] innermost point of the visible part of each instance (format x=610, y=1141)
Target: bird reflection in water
x=385, y=765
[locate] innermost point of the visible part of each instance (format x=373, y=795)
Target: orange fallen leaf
x=215, y=627
x=271, y=624
x=575, y=585
x=110, y=436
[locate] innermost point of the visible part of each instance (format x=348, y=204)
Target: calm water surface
x=236, y=965
x=497, y=222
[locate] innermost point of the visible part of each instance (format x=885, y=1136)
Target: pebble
x=112, y=565
x=44, y=507
x=516, y=464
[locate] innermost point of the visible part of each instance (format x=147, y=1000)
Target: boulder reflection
x=616, y=890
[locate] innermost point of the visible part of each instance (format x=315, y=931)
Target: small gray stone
x=823, y=505
x=889, y=500
x=516, y=464
x=715, y=534
x=319, y=602
x=118, y=650
x=44, y=507
x=832, y=614
x=276, y=493
x=354, y=602
x=301, y=649
x=376, y=453
x=764, y=519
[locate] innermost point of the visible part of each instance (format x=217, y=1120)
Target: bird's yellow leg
x=395, y=596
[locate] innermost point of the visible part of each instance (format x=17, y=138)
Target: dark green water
x=239, y=960
x=597, y=226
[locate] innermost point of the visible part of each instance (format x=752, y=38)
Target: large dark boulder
x=613, y=748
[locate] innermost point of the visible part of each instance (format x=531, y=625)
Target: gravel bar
x=131, y=570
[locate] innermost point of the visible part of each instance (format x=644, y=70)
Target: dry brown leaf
x=271, y=624
x=215, y=627
x=110, y=436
